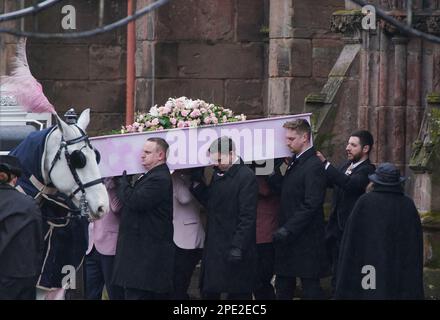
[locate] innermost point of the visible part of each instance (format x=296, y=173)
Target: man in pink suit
x=103, y=236
x=189, y=233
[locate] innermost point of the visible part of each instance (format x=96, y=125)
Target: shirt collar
x=357, y=163
x=299, y=155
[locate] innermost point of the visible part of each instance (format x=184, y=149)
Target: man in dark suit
x=229, y=255
x=144, y=259
x=299, y=242
x=21, y=236
x=349, y=182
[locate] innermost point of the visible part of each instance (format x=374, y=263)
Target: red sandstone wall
x=213, y=50
x=216, y=50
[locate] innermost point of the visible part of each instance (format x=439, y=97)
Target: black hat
x=387, y=174
x=10, y=164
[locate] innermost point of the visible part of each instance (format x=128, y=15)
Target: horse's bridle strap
x=42, y=187
x=63, y=145
x=88, y=184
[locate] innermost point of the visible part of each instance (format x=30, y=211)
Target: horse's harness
x=77, y=160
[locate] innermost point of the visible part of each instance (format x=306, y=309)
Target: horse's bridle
x=84, y=207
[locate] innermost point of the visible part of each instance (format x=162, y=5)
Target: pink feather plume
x=23, y=86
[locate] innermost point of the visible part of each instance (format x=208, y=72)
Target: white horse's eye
x=78, y=159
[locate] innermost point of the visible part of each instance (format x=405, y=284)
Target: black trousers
x=334, y=251
x=285, y=288
x=263, y=287
x=12, y=288
x=229, y=296
x=98, y=271
x=185, y=260
x=137, y=294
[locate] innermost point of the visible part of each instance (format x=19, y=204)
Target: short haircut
x=300, y=126
x=5, y=177
x=365, y=138
x=222, y=145
x=160, y=144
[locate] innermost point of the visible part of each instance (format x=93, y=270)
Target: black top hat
x=387, y=174
x=10, y=164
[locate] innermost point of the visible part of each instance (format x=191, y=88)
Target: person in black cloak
x=21, y=236
x=381, y=253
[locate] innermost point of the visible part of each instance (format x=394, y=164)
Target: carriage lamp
x=70, y=116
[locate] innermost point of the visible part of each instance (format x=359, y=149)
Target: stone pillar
x=280, y=56
x=398, y=112
x=424, y=163
x=301, y=51
x=145, y=59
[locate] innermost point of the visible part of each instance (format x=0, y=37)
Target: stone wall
x=216, y=50
x=212, y=50
x=302, y=51
x=80, y=73
x=222, y=53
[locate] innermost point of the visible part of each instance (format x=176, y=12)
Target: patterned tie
x=348, y=171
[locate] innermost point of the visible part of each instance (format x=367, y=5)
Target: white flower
x=154, y=111
x=188, y=104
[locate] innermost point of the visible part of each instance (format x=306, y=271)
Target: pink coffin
x=254, y=139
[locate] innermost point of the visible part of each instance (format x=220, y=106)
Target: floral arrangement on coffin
x=181, y=113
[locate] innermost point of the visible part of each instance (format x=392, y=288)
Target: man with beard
x=349, y=182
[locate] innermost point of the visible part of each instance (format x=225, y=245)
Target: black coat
x=231, y=205
x=383, y=231
x=346, y=191
x=21, y=234
x=303, y=189
x=145, y=249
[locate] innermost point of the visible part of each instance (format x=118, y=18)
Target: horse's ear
x=84, y=119
x=64, y=127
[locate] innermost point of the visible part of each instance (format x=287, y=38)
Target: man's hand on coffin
x=124, y=179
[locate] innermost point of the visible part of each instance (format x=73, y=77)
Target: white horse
x=60, y=170
x=83, y=162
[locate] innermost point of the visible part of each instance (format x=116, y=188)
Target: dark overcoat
x=231, y=205
x=21, y=234
x=303, y=189
x=346, y=191
x=145, y=249
x=383, y=232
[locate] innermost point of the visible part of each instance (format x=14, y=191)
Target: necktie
x=292, y=162
x=348, y=171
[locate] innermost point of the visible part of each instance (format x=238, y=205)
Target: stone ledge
x=315, y=98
